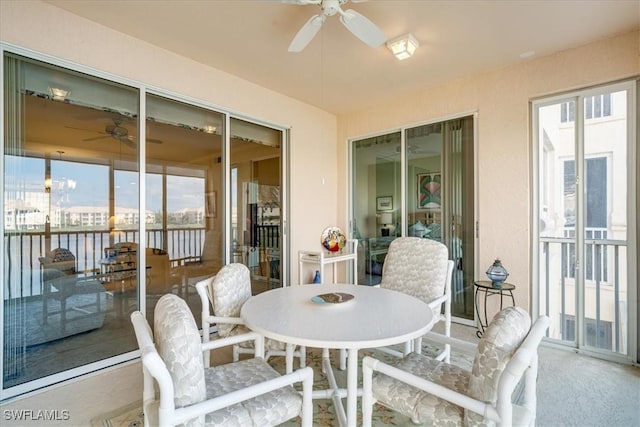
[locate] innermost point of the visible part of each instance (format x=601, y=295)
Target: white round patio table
x=375, y=317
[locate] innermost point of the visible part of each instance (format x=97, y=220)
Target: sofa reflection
x=72, y=303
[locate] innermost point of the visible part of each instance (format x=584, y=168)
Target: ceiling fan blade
x=155, y=141
x=95, y=138
x=306, y=33
x=126, y=141
x=302, y=2
x=83, y=129
x=362, y=28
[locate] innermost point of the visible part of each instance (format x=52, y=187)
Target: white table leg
x=352, y=387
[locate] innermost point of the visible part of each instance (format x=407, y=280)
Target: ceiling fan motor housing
x=331, y=7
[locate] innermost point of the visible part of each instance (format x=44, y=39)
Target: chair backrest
x=504, y=335
x=126, y=246
x=159, y=274
x=417, y=267
x=179, y=345
x=61, y=259
x=228, y=291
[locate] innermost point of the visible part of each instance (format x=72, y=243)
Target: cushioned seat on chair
x=421, y=405
x=439, y=394
x=240, y=394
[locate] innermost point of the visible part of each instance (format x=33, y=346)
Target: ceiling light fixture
x=209, y=129
x=403, y=47
x=58, y=94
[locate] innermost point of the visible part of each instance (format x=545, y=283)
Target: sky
x=83, y=184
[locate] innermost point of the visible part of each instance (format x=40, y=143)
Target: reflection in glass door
x=183, y=189
x=583, y=264
x=437, y=175
x=70, y=197
x=376, y=202
x=440, y=198
x=256, y=202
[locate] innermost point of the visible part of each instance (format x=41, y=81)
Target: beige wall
x=46, y=29
x=319, y=170
x=501, y=98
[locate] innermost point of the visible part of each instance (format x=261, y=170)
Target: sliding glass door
x=257, y=202
x=440, y=198
x=585, y=195
x=417, y=182
x=376, y=201
x=96, y=225
x=70, y=193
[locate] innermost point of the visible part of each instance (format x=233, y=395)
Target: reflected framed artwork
x=384, y=203
x=429, y=191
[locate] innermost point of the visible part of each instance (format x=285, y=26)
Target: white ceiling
x=339, y=73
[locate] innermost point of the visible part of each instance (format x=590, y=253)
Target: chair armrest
x=304, y=375
x=370, y=364
x=435, y=304
x=236, y=339
x=460, y=345
x=226, y=320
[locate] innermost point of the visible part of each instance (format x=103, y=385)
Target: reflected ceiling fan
x=359, y=26
x=118, y=132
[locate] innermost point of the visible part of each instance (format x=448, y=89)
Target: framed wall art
x=384, y=203
x=429, y=191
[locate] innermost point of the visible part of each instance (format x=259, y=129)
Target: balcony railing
x=605, y=289
x=22, y=250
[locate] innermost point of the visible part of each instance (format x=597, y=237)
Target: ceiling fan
x=118, y=132
x=359, y=26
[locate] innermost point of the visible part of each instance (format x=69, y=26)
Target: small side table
x=503, y=289
x=322, y=258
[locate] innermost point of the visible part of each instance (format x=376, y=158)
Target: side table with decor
x=490, y=288
x=496, y=285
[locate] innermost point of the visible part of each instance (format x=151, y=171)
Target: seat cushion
x=500, y=340
x=421, y=406
x=268, y=409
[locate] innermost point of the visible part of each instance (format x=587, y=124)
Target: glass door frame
x=402, y=204
x=44, y=383
x=633, y=204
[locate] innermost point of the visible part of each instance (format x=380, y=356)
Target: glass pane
x=557, y=204
x=440, y=178
x=605, y=216
x=68, y=139
x=256, y=181
x=376, y=203
x=184, y=189
x=425, y=181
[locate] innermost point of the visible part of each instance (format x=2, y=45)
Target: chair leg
x=367, y=395
x=288, y=357
x=325, y=355
x=303, y=356
x=63, y=314
x=410, y=346
x=343, y=359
